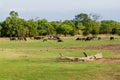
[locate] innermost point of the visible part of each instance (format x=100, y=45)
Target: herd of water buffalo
x=58, y=38
x=92, y=37
x=38, y=38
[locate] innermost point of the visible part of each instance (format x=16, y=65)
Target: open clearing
x=38, y=60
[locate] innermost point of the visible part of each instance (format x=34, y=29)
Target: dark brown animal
x=59, y=40
x=13, y=38
x=25, y=38
x=111, y=38
x=22, y=38
x=37, y=38
x=99, y=38
x=78, y=38
x=88, y=38
x=44, y=40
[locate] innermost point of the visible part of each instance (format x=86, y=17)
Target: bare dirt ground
x=111, y=47
x=98, y=47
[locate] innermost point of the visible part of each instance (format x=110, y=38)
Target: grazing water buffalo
x=85, y=39
x=22, y=38
x=44, y=40
x=78, y=38
x=52, y=37
x=111, y=38
x=18, y=38
x=99, y=38
x=88, y=38
x=59, y=40
x=37, y=38
x=13, y=38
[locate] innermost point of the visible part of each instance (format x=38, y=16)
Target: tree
x=44, y=27
x=84, y=18
x=71, y=24
x=55, y=25
x=0, y=28
x=64, y=29
x=11, y=26
x=95, y=28
x=81, y=21
x=94, y=17
x=109, y=27
x=13, y=14
x=21, y=28
x=116, y=28
x=92, y=27
x=14, y=25
x=31, y=28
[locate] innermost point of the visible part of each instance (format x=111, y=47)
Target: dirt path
x=98, y=47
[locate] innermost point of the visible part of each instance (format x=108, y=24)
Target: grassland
x=38, y=60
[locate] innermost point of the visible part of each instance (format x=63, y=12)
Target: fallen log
x=86, y=58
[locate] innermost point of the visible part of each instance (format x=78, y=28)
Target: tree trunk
x=86, y=58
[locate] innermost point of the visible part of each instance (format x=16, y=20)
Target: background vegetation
x=82, y=24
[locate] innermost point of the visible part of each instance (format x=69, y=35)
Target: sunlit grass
x=38, y=60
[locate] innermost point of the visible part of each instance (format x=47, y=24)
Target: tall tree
x=45, y=28
x=31, y=28
x=109, y=27
x=12, y=24
x=92, y=27
x=84, y=18
x=55, y=25
x=65, y=29
x=13, y=14
x=94, y=17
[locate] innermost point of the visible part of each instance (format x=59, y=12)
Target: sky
x=55, y=10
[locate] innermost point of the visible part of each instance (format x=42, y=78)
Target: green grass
x=37, y=60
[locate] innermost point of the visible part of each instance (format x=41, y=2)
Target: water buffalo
x=22, y=38
x=78, y=38
x=44, y=40
x=111, y=38
x=59, y=40
x=99, y=38
x=37, y=38
x=88, y=38
x=13, y=38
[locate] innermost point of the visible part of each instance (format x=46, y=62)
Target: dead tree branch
x=86, y=58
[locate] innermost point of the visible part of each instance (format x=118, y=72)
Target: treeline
x=82, y=24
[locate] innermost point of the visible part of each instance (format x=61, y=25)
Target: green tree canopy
x=44, y=27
